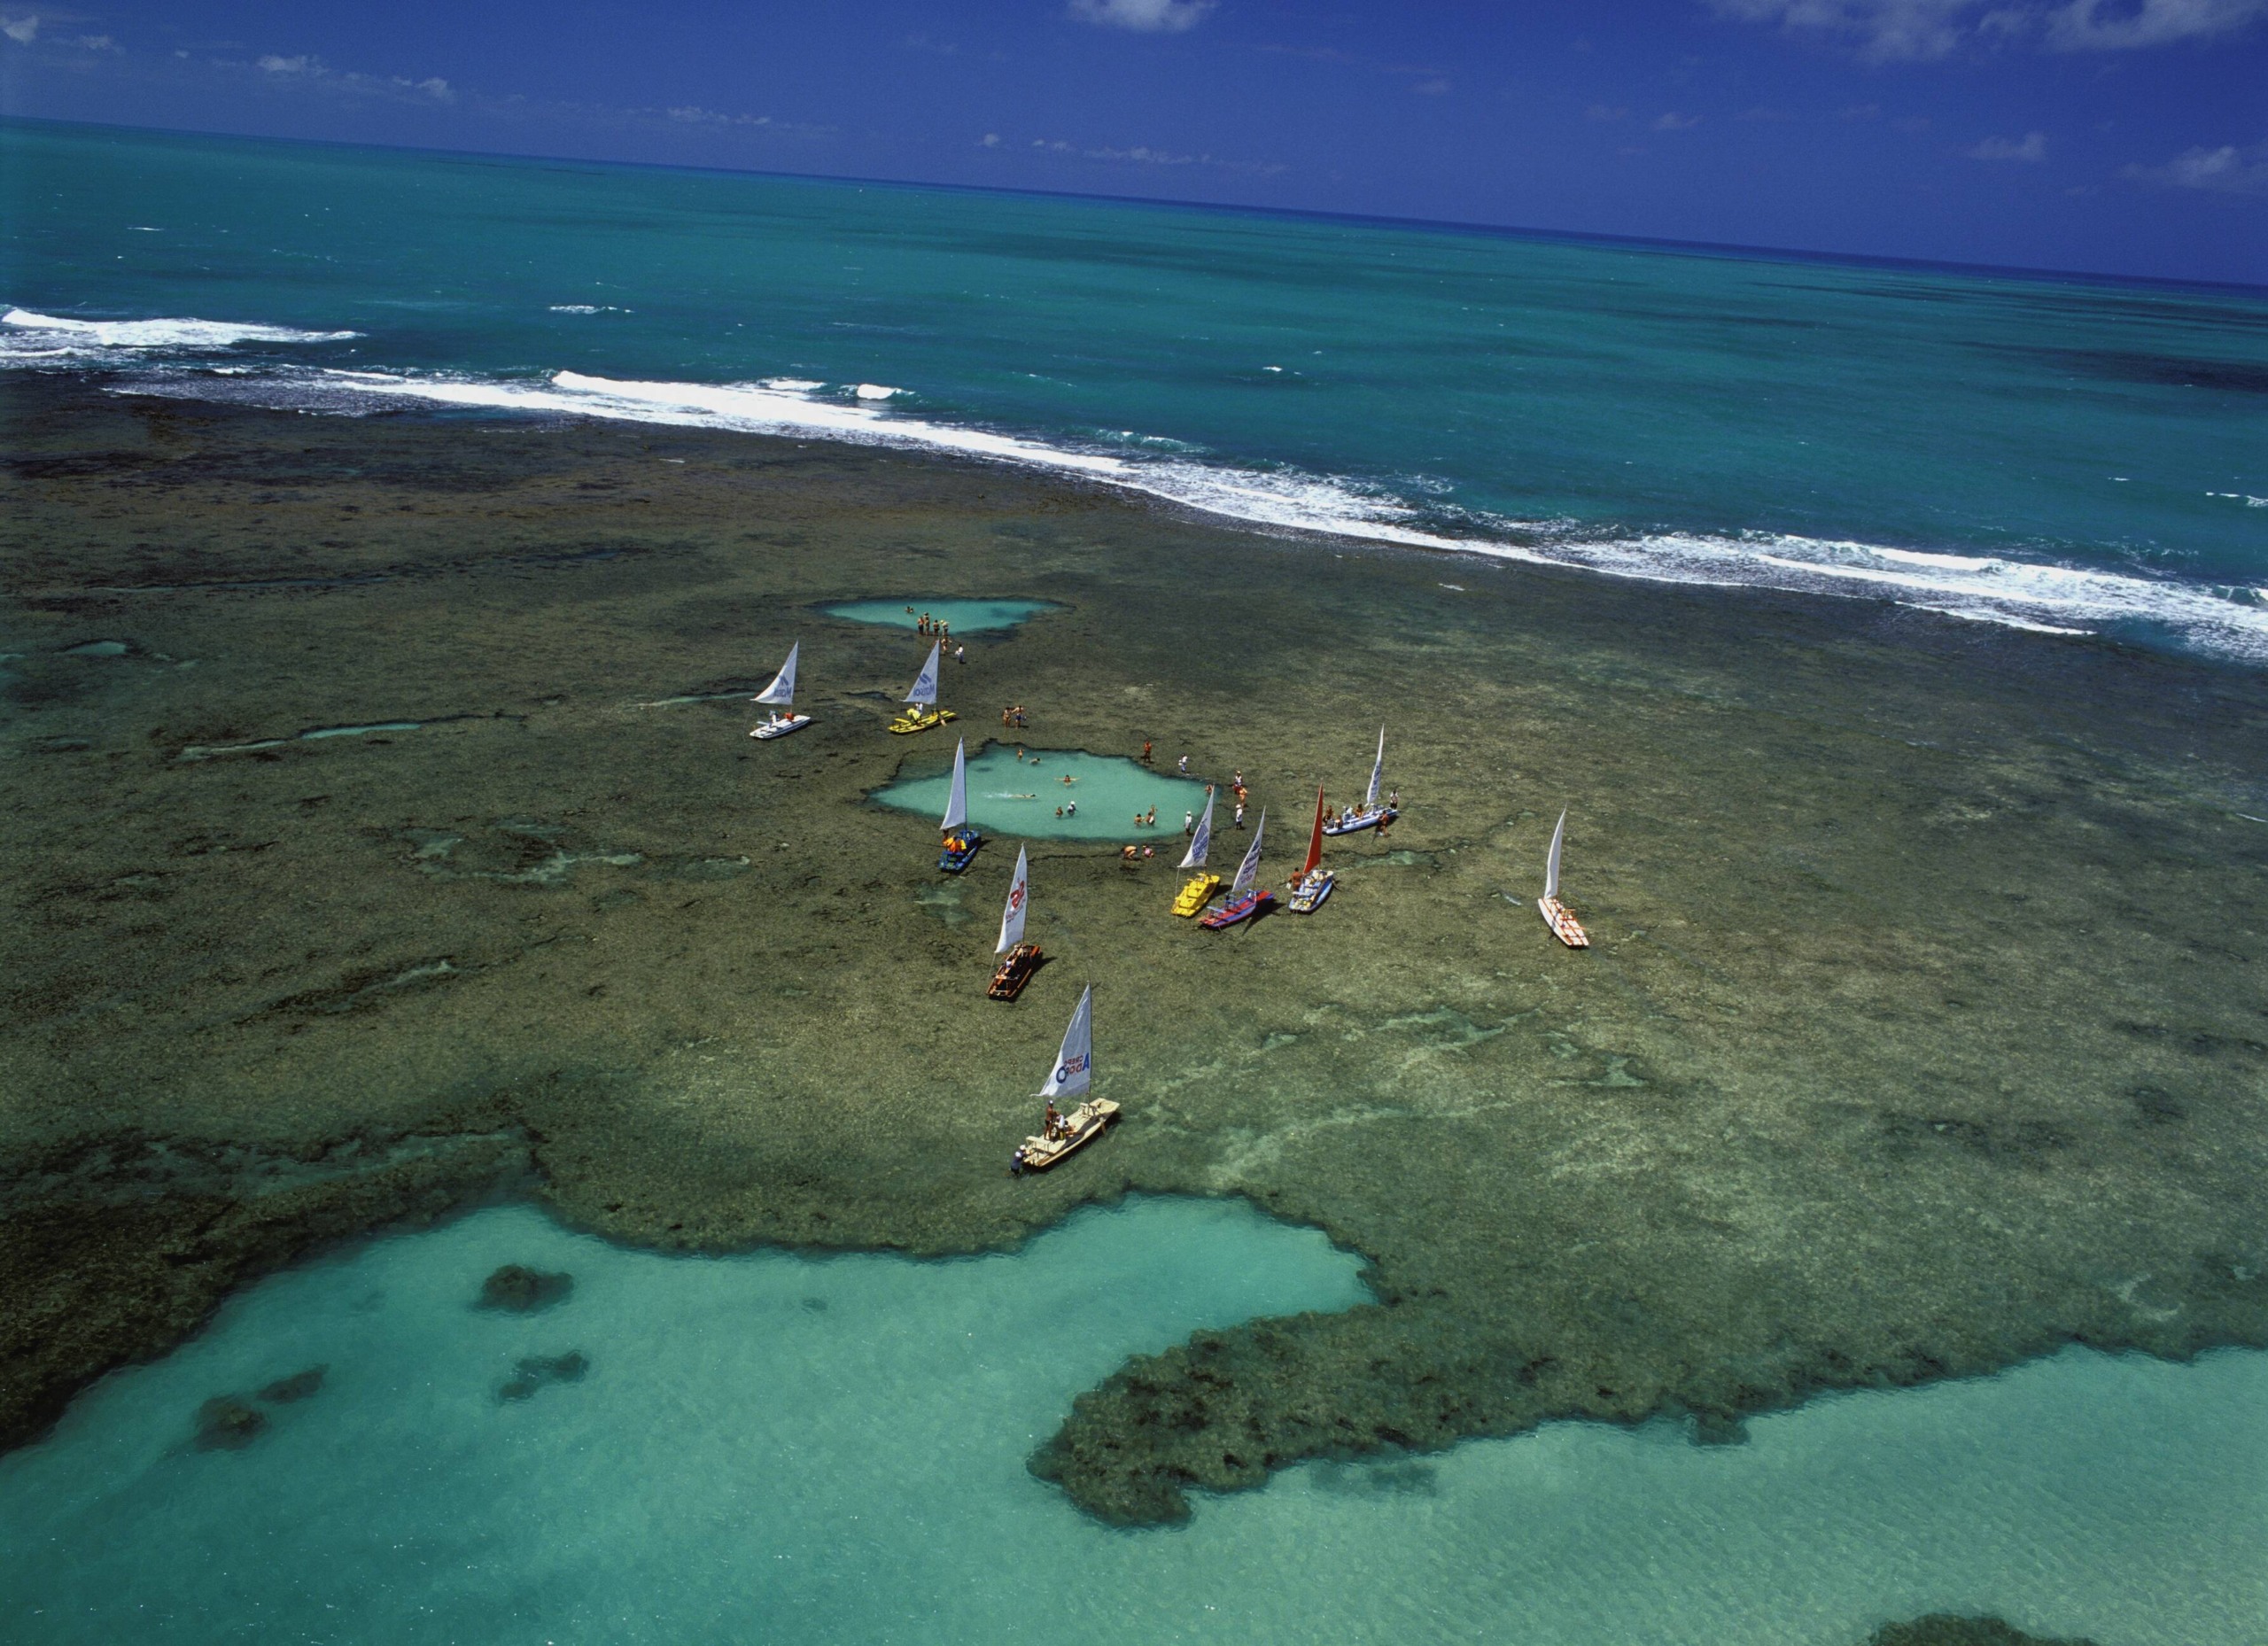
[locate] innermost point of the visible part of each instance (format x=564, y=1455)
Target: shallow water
x=963, y=616
x=1020, y=798
x=781, y=1447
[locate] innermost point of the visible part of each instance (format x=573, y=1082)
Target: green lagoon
x=963, y=616
x=1027, y=797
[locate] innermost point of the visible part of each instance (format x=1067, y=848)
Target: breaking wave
x=32, y=339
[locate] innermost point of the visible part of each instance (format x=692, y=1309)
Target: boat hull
x=959, y=850
x=1310, y=894
x=907, y=724
x=781, y=727
x=1014, y=972
x=1563, y=925
x=1238, y=912
x=1191, y=900
x=1376, y=818
x=1081, y=1126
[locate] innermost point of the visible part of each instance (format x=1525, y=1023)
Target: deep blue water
x=2056, y=454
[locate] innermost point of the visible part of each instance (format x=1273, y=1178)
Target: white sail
x=1377, y=772
x=925, y=684
x=1248, y=871
x=1075, y=1064
x=957, y=802
x=1012, y=918
x=1202, y=840
x=1551, y=863
x=782, y=692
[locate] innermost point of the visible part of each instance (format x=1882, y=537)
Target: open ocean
x=2059, y=454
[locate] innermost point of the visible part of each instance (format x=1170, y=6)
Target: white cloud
x=96, y=42
x=2030, y=147
x=22, y=30
x=302, y=65
x=1674, y=121
x=2225, y=170
x=1144, y=16
x=1436, y=87
x=1907, y=30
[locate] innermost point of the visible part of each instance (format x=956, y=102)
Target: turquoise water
x=2052, y=454
x=779, y=1448
x=963, y=616
x=1018, y=799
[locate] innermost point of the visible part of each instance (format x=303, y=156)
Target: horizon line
x=1434, y=225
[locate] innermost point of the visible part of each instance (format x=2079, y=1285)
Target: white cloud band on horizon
x=2225, y=170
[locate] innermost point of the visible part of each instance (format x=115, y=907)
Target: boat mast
x=1012, y=918
x=1202, y=840
x=957, y=799
x=782, y=692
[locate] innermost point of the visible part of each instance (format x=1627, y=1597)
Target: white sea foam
x=2019, y=593
x=32, y=339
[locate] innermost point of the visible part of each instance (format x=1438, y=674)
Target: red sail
x=1315, y=841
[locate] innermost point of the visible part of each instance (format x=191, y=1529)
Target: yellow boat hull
x=906, y=723
x=1191, y=901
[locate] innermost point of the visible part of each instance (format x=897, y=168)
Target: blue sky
x=2121, y=136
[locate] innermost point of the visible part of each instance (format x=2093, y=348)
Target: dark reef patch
x=226, y=1424
x=1944, y=1629
x=522, y=1290
x=298, y=1387
x=537, y=1373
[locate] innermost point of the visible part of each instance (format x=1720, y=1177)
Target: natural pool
x=1018, y=799
x=963, y=616
x=782, y=1448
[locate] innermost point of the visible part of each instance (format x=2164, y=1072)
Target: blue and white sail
x=924, y=694
x=957, y=798
x=1378, y=775
x=1012, y=917
x=1202, y=840
x=782, y=692
x=1075, y=1064
x=1248, y=871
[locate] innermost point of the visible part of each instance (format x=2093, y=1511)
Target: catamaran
x=1019, y=959
x=1072, y=1077
x=961, y=841
x=1313, y=883
x=1246, y=895
x=779, y=696
x=1373, y=812
x=1192, y=896
x=921, y=711
x=1563, y=925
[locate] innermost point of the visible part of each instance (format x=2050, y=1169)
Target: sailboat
x=1019, y=959
x=921, y=711
x=778, y=695
x=1563, y=925
x=1313, y=883
x=1073, y=1077
x=1246, y=895
x=1192, y=896
x=1373, y=813
x=961, y=841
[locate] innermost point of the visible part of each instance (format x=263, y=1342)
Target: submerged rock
x=537, y=1369
x=523, y=1290
x=1942, y=1628
x=298, y=1386
x=225, y=1423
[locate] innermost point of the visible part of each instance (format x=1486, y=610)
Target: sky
x=2123, y=136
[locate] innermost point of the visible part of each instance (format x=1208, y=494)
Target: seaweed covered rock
x=298, y=1386
x=523, y=1290
x=537, y=1369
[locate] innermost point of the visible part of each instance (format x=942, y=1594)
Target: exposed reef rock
x=522, y=1290
x=1922, y=1030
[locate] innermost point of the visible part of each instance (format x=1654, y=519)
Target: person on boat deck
x=1053, y=1127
